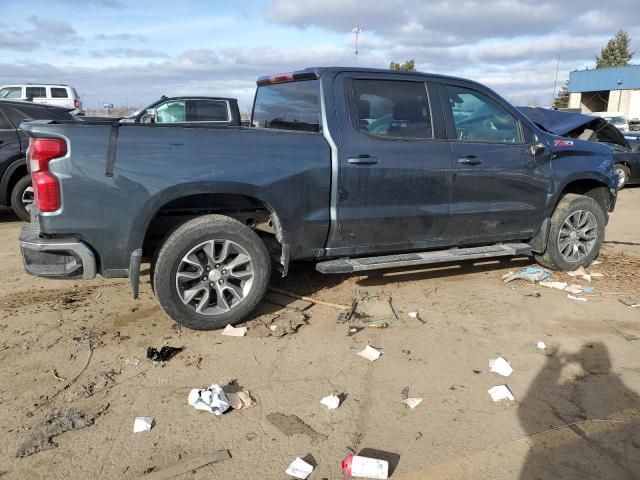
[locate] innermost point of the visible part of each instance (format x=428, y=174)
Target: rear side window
x=208, y=111
x=477, y=118
x=11, y=92
x=59, y=92
x=36, y=92
x=288, y=106
x=393, y=108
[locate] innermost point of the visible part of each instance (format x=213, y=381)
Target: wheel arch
x=12, y=174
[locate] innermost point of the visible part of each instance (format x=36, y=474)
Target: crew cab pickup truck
x=356, y=169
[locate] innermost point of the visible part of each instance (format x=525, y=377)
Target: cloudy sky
x=133, y=51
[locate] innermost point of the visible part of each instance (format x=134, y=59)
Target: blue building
x=606, y=90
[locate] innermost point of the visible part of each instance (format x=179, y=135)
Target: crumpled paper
x=212, y=399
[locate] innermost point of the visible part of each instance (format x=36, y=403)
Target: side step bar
x=348, y=265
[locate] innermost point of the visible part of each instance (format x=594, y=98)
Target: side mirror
x=537, y=149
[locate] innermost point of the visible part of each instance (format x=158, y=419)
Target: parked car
x=356, y=169
x=15, y=181
x=222, y=111
x=57, y=95
x=586, y=127
x=616, y=119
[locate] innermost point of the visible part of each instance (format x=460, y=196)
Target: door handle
x=362, y=160
x=470, y=160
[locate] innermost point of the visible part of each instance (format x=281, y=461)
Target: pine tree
x=562, y=98
x=616, y=53
x=407, y=66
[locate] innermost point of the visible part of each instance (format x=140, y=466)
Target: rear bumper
x=55, y=257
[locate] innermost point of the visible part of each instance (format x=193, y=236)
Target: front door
x=394, y=172
x=499, y=186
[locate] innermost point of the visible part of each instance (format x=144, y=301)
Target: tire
x=199, y=249
x=623, y=175
x=589, y=236
x=18, y=196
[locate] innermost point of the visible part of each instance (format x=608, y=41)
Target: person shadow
x=584, y=427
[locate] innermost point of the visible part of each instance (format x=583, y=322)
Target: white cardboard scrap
x=412, y=402
x=556, y=285
x=231, y=331
x=331, y=402
x=370, y=353
x=571, y=297
x=500, y=366
x=541, y=345
x=413, y=314
x=299, y=469
x=597, y=274
x=501, y=392
x=576, y=289
x=212, y=399
x=578, y=272
x=143, y=424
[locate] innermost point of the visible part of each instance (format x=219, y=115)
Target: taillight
x=76, y=103
x=46, y=189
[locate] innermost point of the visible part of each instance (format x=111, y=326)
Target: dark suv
x=15, y=181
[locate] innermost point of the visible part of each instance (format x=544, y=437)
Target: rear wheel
x=22, y=198
x=211, y=272
x=576, y=233
x=623, y=175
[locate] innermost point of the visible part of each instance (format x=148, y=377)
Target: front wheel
x=576, y=233
x=211, y=272
x=22, y=198
x=623, y=175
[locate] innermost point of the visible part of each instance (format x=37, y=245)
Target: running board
x=348, y=265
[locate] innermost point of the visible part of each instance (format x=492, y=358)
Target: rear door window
x=57, y=92
x=208, y=111
x=36, y=92
x=288, y=106
x=393, y=108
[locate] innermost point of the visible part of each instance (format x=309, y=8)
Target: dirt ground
x=71, y=345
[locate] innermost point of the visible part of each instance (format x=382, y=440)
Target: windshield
x=10, y=92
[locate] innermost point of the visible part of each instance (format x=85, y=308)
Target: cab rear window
x=288, y=106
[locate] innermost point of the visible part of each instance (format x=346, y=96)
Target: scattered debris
x=370, y=353
x=101, y=381
x=240, y=400
x=292, y=425
x=187, y=466
x=299, y=469
x=41, y=438
x=132, y=361
x=231, y=331
x=288, y=322
x=365, y=467
x=212, y=399
x=345, y=316
x=412, y=402
x=375, y=309
x=595, y=262
x=353, y=330
x=58, y=377
x=596, y=275
x=166, y=353
x=501, y=392
x=574, y=289
x=192, y=361
x=90, y=339
x=143, y=424
x=416, y=315
x=530, y=274
x=500, y=366
x=541, y=345
x=119, y=338
x=556, y=285
x=331, y=401
x=533, y=294
x=630, y=302
x=580, y=272
x=378, y=324
x=571, y=297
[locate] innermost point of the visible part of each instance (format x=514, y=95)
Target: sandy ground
x=592, y=380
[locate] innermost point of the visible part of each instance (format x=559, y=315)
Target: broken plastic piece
x=165, y=353
x=530, y=274
x=412, y=402
x=331, y=402
x=212, y=399
x=501, y=392
x=370, y=353
x=299, y=469
x=571, y=297
x=240, y=400
x=231, y=331
x=500, y=366
x=575, y=289
x=143, y=424
x=365, y=467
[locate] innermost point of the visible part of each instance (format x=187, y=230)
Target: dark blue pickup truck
x=356, y=169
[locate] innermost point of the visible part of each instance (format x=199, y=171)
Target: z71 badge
x=563, y=143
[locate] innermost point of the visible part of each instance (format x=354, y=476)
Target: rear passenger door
x=499, y=186
x=394, y=164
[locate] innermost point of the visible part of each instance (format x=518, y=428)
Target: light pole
x=357, y=31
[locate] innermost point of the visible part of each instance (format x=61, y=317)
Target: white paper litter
x=595, y=262
x=412, y=402
x=500, y=366
x=597, y=274
x=556, y=285
x=370, y=353
x=501, y=392
x=541, y=345
x=571, y=297
x=575, y=289
x=413, y=314
x=212, y=399
x=331, y=402
x=231, y=331
x=578, y=272
x=143, y=424
x=299, y=469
